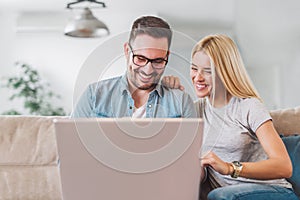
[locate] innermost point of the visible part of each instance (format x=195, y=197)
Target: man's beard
x=135, y=81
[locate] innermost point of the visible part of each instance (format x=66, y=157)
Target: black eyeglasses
x=141, y=61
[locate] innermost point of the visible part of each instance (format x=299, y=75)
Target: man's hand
x=172, y=82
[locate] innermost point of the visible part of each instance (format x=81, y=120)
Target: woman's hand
x=261, y=170
x=172, y=82
x=212, y=160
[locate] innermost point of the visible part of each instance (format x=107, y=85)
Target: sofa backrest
x=287, y=121
x=28, y=158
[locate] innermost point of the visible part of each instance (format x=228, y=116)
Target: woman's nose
x=199, y=76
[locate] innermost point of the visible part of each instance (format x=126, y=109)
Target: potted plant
x=34, y=93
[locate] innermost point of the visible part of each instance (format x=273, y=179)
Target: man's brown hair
x=152, y=26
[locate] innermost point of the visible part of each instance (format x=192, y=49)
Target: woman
x=242, y=152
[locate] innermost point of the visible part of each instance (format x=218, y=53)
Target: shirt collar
x=158, y=89
x=124, y=87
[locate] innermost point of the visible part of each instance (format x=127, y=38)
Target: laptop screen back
x=129, y=158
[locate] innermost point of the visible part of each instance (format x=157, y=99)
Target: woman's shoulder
x=252, y=106
x=249, y=102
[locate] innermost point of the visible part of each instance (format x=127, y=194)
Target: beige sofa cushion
x=287, y=121
x=27, y=140
x=28, y=159
x=30, y=183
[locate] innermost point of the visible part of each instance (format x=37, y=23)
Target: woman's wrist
x=230, y=168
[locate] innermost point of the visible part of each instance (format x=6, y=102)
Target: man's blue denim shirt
x=111, y=98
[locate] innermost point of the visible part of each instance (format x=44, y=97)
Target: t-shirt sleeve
x=257, y=114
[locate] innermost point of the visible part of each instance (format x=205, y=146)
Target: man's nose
x=148, y=69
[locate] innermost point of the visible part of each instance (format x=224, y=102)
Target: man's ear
x=126, y=49
x=168, y=53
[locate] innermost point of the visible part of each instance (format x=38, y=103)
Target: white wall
x=7, y=46
x=57, y=57
x=268, y=33
x=269, y=36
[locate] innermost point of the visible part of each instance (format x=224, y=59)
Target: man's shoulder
x=180, y=100
x=176, y=95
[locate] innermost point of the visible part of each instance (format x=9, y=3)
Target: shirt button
x=150, y=106
x=130, y=107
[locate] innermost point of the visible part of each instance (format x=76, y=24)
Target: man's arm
x=84, y=107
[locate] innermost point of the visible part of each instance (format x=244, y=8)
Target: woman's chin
x=202, y=94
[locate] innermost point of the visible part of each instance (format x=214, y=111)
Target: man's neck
x=139, y=96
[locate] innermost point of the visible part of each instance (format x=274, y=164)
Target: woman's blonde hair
x=228, y=63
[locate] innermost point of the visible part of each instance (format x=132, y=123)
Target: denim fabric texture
x=266, y=192
x=250, y=191
x=111, y=99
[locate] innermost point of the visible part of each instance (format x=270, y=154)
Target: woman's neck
x=219, y=101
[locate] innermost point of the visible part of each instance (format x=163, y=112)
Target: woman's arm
x=278, y=164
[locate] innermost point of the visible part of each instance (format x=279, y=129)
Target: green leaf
x=11, y=112
x=33, y=91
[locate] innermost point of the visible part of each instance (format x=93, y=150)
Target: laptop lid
x=129, y=159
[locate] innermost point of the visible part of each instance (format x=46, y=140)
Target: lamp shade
x=86, y=25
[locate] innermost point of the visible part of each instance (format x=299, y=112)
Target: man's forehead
x=149, y=42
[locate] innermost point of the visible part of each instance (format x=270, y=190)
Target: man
x=138, y=93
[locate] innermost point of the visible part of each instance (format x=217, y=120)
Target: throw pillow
x=292, y=144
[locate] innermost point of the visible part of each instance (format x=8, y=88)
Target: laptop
x=129, y=159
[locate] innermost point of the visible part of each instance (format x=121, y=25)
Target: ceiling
x=182, y=11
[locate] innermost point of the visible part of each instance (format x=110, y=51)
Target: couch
x=29, y=160
x=287, y=124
